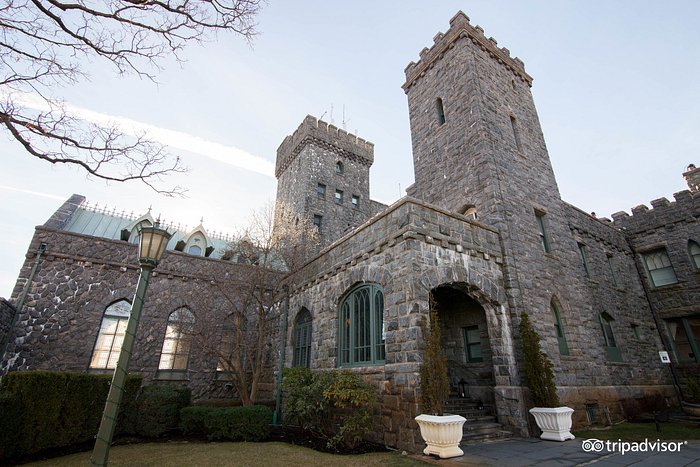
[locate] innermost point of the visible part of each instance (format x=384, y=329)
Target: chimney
x=692, y=178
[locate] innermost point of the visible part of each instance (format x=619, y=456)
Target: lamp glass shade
x=153, y=241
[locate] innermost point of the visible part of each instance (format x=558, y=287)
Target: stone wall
x=669, y=225
x=80, y=276
x=309, y=157
x=408, y=250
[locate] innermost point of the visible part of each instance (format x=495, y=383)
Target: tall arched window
x=302, y=339
x=111, y=335
x=694, y=252
x=612, y=351
x=561, y=337
x=361, y=329
x=175, y=355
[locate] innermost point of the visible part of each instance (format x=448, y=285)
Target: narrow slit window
x=440, y=111
x=543, y=231
x=516, y=132
x=584, y=259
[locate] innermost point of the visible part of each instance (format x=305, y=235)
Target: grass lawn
x=223, y=454
x=640, y=431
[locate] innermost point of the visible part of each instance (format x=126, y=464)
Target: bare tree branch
x=44, y=43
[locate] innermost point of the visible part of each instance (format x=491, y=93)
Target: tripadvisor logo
x=623, y=447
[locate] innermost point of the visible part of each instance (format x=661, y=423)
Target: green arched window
x=302, y=339
x=361, y=327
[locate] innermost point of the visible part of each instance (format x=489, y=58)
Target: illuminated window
x=111, y=335
x=178, y=339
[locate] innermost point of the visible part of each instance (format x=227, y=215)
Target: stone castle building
x=483, y=230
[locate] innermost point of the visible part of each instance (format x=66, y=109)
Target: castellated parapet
x=460, y=27
x=686, y=207
x=326, y=136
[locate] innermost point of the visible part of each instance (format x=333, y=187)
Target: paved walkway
x=532, y=451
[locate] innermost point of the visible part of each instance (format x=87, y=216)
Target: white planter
x=554, y=422
x=442, y=434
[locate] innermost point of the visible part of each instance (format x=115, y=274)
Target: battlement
x=686, y=201
x=662, y=212
x=326, y=135
x=460, y=27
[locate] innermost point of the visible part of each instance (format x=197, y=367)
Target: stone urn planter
x=691, y=408
x=555, y=422
x=442, y=434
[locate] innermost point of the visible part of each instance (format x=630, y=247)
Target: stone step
x=478, y=438
x=481, y=427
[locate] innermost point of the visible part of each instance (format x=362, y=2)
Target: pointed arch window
x=659, y=267
x=559, y=327
x=109, y=340
x=302, y=339
x=361, y=327
x=694, y=253
x=174, y=357
x=612, y=351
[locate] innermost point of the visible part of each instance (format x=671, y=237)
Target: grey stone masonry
x=407, y=250
x=478, y=147
x=79, y=276
x=323, y=176
x=670, y=226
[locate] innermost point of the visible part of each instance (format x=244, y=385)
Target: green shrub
x=56, y=409
x=159, y=408
x=538, y=367
x=227, y=423
x=692, y=390
x=334, y=405
x=11, y=422
x=193, y=420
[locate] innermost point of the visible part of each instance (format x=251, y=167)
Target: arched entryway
x=465, y=339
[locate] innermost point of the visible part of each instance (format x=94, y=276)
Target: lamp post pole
x=151, y=247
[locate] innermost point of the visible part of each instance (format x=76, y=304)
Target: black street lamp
x=153, y=241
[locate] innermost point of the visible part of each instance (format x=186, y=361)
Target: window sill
x=172, y=375
x=100, y=371
x=675, y=285
x=551, y=256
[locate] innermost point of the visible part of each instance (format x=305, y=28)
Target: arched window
x=111, y=335
x=561, y=337
x=195, y=250
x=361, y=330
x=175, y=355
x=226, y=350
x=659, y=267
x=612, y=351
x=339, y=168
x=694, y=252
x=440, y=111
x=302, y=339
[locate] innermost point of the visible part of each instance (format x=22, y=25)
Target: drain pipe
x=20, y=303
x=647, y=295
x=283, y=330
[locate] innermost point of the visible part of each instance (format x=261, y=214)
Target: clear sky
x=616, y=85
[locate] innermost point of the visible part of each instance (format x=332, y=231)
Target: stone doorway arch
x=465, y=339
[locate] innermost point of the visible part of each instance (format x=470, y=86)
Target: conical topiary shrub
x=434, y=379
x=538, y=368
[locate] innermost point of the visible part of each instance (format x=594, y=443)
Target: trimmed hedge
x=43, y=410
x=159, y=409
x=230, y=423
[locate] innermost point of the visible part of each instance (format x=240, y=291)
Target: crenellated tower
x=323, y=175
x=477, y=140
